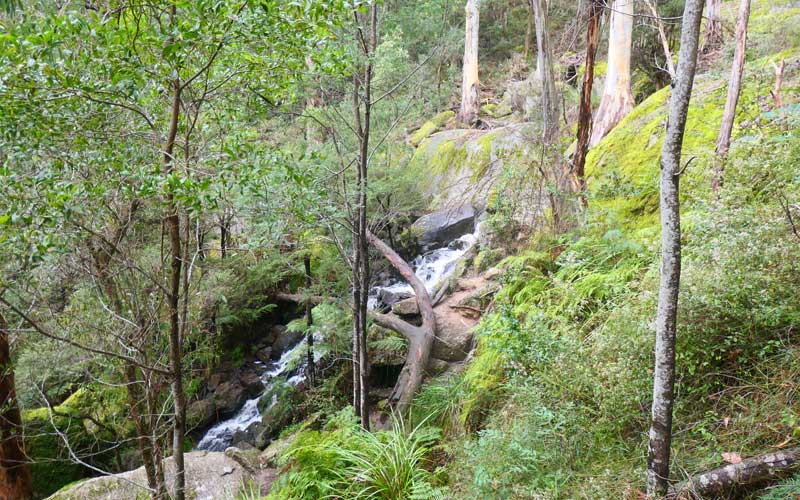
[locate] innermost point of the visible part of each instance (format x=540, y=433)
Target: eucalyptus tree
x=111, y=130
x=470, y=85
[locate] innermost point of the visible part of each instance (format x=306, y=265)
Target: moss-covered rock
x=435, y=124
x=91, y=420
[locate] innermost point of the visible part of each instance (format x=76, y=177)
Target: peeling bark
x=420, y=338
x=734, y=87
x=544, y=71
x=585, y=109
x=749, y=472
x=664, y=373
x=617, y=100
x=776, y=92
x=712, y=37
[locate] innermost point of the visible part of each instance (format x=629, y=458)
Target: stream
x=431, y=267
x=221, y=435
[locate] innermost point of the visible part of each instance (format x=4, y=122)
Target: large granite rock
x=440, y=227
x=284, y=340
x=453, y=340
x=209, y=476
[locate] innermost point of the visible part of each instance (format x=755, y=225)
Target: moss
x=422, y=133
x=91, y=416
x=443, y=118
x=496, y=110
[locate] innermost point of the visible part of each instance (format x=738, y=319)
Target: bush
x=344, y=461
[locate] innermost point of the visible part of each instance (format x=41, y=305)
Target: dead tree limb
x=420, y=338
x=748, y=472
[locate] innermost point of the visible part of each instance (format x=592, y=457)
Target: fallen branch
x=420, y=338
x=749, y=472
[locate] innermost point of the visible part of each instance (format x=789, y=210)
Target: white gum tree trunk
x=617, y=99
x=470, y=86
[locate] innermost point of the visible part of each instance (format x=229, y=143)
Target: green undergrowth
x=341, y=460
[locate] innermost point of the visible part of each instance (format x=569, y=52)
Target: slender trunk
x=470, y=85
x=776, y=92
x=664, y=373
x=617, y=99
x=734, y=86
x=15, y=475
x=529, y=32
x=136, y=396
x=172, y=223
x=585, y=110
x=310, y=374
x=544, y=69
x=712, y=38
x=663, y=36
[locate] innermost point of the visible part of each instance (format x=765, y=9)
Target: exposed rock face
x=453, y=338
x=284, y=340
x=209, y=476
x=229, y=396
x=442, y=226
x=406, y=307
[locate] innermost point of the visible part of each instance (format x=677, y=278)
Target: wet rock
x=200, y=414
x=389, y=298
x=437, y=366
x=251, y=382
x=264, y=354
x=284, y=340
x=442, y=226
x=406, y=307
x=228, y=397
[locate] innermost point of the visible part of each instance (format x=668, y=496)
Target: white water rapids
x=431, y=267
x=220, y=436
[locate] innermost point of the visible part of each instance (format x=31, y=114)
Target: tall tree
x=734, y=88
x=367, y=40
x=470, y=85
x=712, y=36
x=617, y=100
x=595, y=11
x=15, y=476
x=664, y=374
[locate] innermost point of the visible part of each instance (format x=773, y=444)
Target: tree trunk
x=544, y=71
x=15, y=475
x=470, y=86
x=617, y=99
x=310, y=374
x=663, y=36
x=749, y=472
x=712, y=37
x=150, y=459
x=664, y=373
x=776, y=92
x=420, y=338
x=734, y=86
x=172, y=224
x=585, y=110
x=529, y=32
x=360, y=244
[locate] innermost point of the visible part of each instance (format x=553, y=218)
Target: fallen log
x=749, y=472
x=420, y=338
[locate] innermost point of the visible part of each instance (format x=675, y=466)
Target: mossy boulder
x=278, y=407
x=91, y=420
x=435, y=124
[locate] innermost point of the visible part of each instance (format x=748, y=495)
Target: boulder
x=200, y=414
x=437, y=366
x=389, y=298
x=228, y=397
x=406, y=307
x=264, y=354
x=209, y=476
x=440, y=227
x=251, y=382
x=453, y=339
x=284, y=340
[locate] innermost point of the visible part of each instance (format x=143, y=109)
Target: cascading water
x=431, y=267
x=220, y=436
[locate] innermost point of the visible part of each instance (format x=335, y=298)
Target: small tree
x=666, y=317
